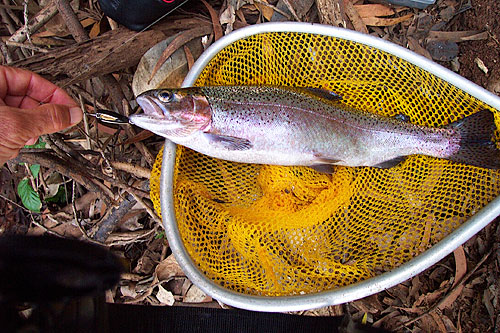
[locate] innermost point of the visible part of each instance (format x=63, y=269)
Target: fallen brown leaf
x=165, y=296
x=460, y=264
x=266, y=11
x=168, y=268
x=178, y=41
x=189, y=57
x=439, y=322
x=456, y=36
x=374, y=10
x=196, y=295
x=385, y=22
x=215, y=21
x=354, y=16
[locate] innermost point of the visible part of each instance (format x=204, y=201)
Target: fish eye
x=165, y=96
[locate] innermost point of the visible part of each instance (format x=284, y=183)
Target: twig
x=7, y=21
x=215, y=21
x=69, y=169
x=36, y=23
x=114, y=89
x=78, y=223
x=29, y=47
x=15, y=204
x=135, y=170
x=436, y=306
x=87, y=96
x=32, y=178
x=177, y=42
x=131, y=133
x=47, y=230
x=25, y=16
x=5, y=52
x=149, y=209
x=139, y=236
x=11, y=7
x=48, y=140
x=12, y=15
x=85, y=123
x=69, y=16
x=292, y=10
x=276, y=9
x=109, y=223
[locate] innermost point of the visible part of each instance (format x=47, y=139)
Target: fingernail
x=76, y=115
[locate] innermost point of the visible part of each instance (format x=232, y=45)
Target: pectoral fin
x=323, y=93
x=229, y=142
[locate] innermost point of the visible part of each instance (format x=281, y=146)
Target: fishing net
x=271, y=230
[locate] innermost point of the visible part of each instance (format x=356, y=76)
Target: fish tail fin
x=476, y=140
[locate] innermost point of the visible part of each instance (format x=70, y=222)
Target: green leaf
x=60, y=196
x=160, y=235
x=35, y=169
x=39, y=144
x=29, y=196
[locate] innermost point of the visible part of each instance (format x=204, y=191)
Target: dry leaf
x=96, y=30
x=196, y=295
x=176, y=43
x=228, y=17
x=147, y=262
x=168, y=268
x=415, y=46
x=189, y=57
x=481, y=65
x=374, y=10
x=165, y=296
x=355, y=18
x=266, y=11
x=385, y=22
x=128, y=291
x=215, y=21
x=456, y=36
x=460, y=264
x=439, y=322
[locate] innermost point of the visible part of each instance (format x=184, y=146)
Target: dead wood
x=112, y=51
x=107, y=226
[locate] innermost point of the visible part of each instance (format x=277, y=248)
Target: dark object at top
x=421, y=4
x=138, y=14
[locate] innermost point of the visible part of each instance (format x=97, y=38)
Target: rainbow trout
x=305, y=126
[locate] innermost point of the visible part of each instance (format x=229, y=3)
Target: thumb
x=50, y=118
x=17, y=126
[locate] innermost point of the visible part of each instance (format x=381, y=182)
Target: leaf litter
x=458, y=294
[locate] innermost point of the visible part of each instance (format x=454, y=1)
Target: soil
x=484, y=15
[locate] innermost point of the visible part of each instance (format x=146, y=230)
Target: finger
x=30, y=86
x=17, y=126
x=51, y=118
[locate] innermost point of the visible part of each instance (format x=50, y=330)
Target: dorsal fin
x=323, y=93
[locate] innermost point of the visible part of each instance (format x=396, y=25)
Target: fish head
x=173, y=112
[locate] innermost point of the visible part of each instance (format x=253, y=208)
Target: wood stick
x=35, y=23
x=72, y=22
x=112, y=51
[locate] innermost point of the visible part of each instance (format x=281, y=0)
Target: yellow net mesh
x=271, y=230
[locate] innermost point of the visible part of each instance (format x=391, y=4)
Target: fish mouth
x=150, y=106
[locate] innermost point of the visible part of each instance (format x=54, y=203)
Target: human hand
x=23, y=117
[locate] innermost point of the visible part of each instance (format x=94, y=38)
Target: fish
x=306, y=127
